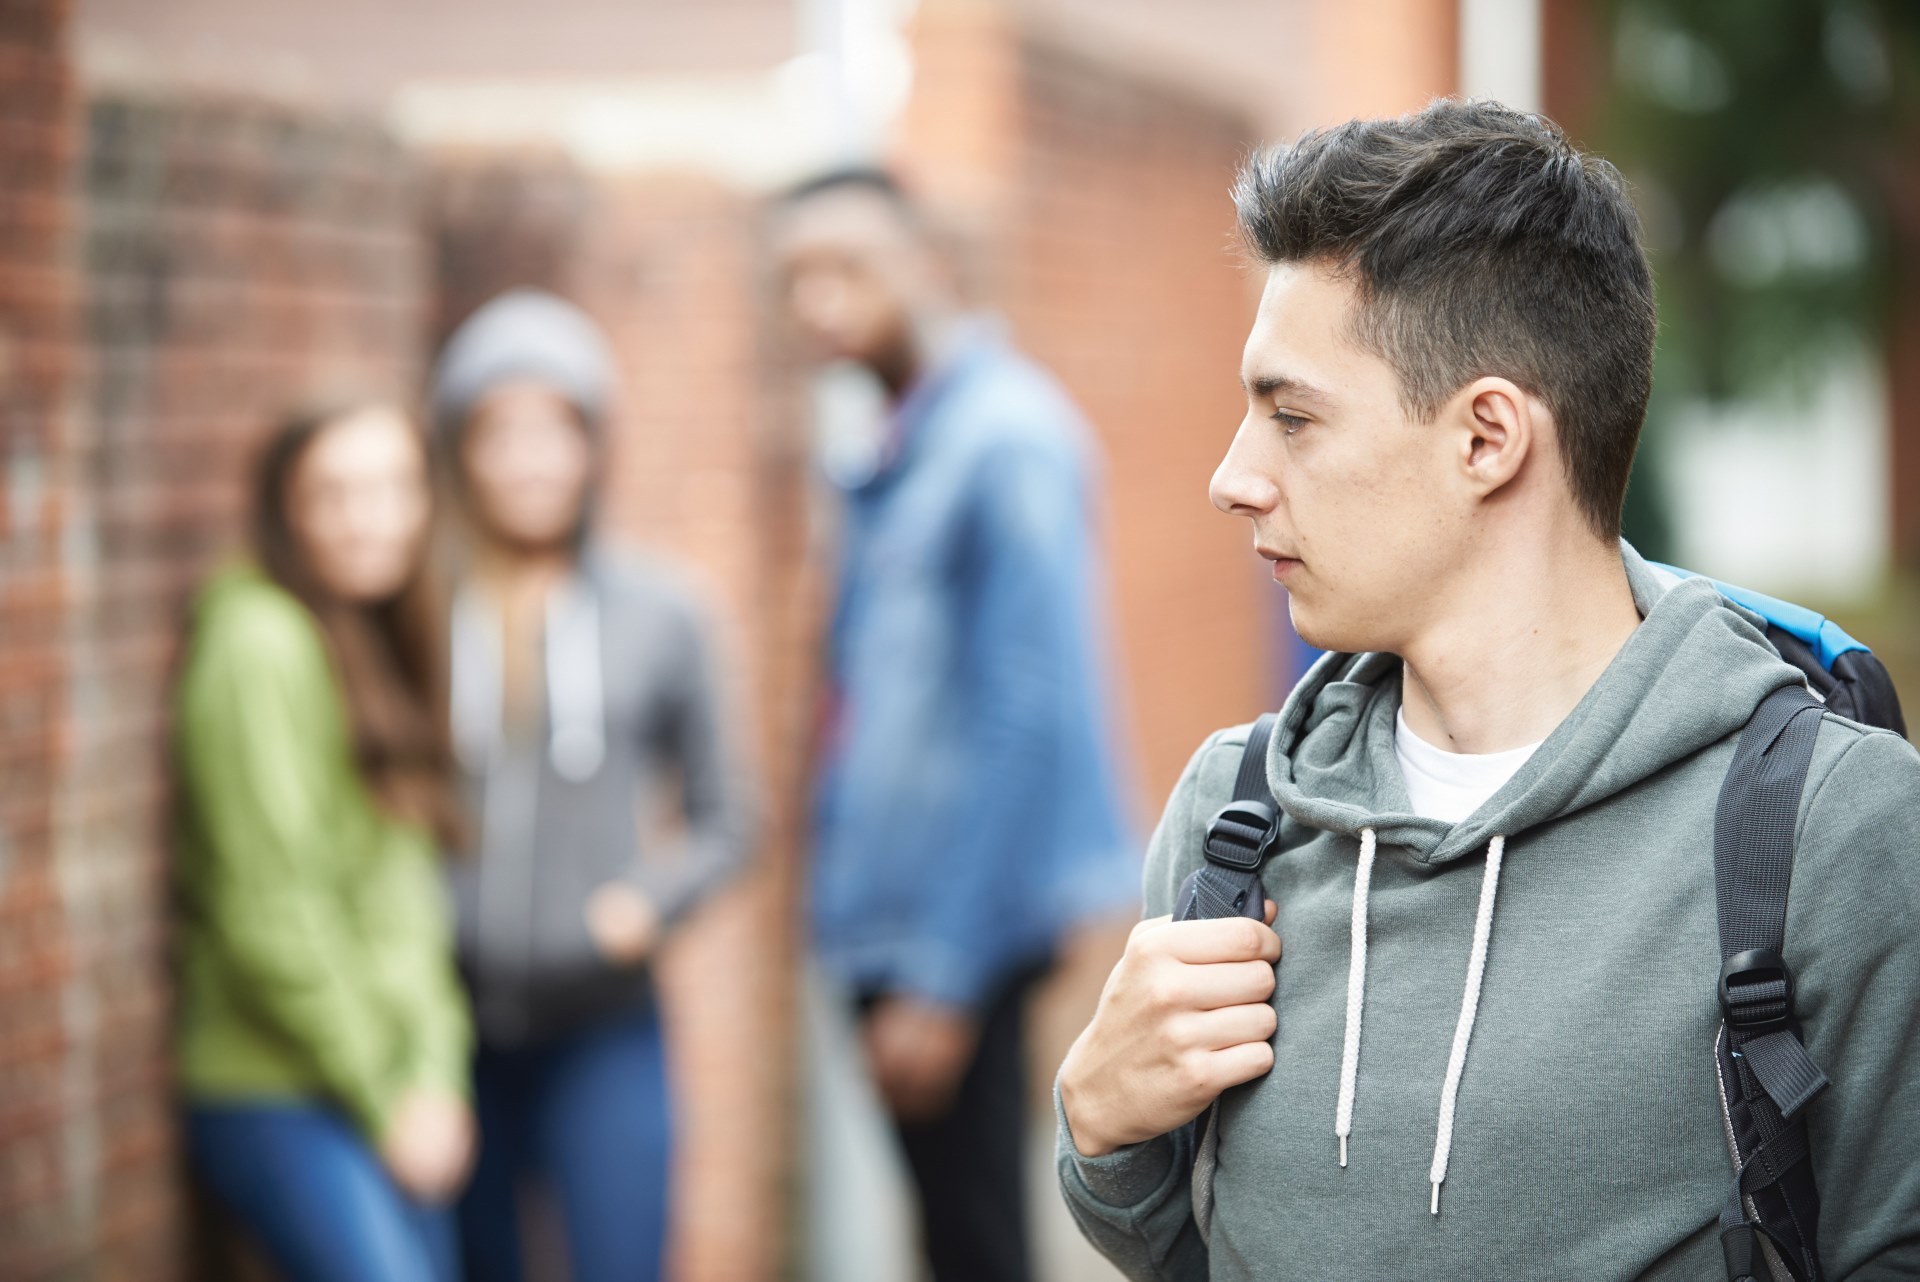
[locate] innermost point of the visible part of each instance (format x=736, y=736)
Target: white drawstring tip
x=1343, y=1150
x=1436, y=1197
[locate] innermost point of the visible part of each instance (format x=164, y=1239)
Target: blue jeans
x=586, y=1117
x=313, y=1194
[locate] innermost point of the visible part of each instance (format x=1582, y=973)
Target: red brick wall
x=224, y=257
x=238, y=258
x=707, y=468
x=1132, y=291
x=1378, y=59
x=225, y=254
x=41, y=1215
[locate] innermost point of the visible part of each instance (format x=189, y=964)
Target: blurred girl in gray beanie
x=587, y=720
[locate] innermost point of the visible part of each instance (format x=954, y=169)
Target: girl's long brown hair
x=390, y=657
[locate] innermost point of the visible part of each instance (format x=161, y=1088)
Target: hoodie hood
x=1332, y=763
x=524, y=334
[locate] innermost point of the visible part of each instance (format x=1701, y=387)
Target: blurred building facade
x=212, y=206
x=205, y=232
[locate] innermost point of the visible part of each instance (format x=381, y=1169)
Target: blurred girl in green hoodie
x=323, y=1036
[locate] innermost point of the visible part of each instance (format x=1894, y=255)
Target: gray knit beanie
x=524, y=334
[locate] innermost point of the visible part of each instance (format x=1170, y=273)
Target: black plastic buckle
x=1740, y=1245
x=1240, y=835
x=1753, y=1012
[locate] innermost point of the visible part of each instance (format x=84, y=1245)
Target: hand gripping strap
x=1239, y=839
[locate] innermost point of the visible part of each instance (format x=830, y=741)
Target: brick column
x=47, y=1212
x=1380, y=58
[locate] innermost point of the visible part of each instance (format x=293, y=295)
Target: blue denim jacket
x=968, y=807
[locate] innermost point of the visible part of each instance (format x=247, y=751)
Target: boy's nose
x=1238, y=487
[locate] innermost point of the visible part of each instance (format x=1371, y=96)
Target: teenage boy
x=967, y=808
x=1488, y=1051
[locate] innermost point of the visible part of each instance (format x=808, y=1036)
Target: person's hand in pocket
x=623, y=922
x=918, y=1051
x=428, y=1144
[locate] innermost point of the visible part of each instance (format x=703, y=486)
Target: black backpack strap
x=1766, y=1076
x=1239, y=838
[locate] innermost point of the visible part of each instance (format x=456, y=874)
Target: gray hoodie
x=628, y=777
x=1563, y=938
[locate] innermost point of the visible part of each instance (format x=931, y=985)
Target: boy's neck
x=1528, y=636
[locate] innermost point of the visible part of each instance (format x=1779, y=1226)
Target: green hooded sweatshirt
x=1584, y=1137
x=316, y=959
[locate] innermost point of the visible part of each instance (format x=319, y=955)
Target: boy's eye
x=1291, y=422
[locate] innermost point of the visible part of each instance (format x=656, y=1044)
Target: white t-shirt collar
x=1449, y=786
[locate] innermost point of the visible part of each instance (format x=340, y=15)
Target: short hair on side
x=1481, y=242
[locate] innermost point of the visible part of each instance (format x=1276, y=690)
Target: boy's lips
x=1283, y=565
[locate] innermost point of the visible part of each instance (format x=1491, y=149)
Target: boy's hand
x=1183, y=1017
x=918, y=1051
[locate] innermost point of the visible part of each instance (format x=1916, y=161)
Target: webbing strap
x=1741, y=1237
x=1770, y=1161
x=1753, y=870
x=1250, y=784
x=1228, y=883
x=1754, y=823
x=1789, y=1076
x=1753, y=841
x=1224, y=892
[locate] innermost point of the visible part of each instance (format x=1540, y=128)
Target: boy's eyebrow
x=1263, y=386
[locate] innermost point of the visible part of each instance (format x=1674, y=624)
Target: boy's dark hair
x=1481, y=242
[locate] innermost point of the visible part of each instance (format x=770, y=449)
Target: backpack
x=1840, y=670
x=1769, y=1228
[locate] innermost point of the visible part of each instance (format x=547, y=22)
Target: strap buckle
x=1740, y=1245
x=1241, y=834
x=1756, y=992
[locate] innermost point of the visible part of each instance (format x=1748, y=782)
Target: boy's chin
x=1322, y=632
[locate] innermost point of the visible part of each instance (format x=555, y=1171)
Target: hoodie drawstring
x=1356, y=993
x=577, y=739
x=1463, y=1028
x=576, y=709
x=1469, y=1009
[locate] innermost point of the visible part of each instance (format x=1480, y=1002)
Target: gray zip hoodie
x=628, y=777
x=1512, y=1018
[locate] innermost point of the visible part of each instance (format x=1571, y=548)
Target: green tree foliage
x=1766, y=140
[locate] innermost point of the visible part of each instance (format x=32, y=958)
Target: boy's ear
x=1496, y=423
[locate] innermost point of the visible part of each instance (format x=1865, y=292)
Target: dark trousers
x=587, y=1116
x=969, y=1165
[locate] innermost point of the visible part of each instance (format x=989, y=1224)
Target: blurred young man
x=966, y=802
x=1495, y=871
